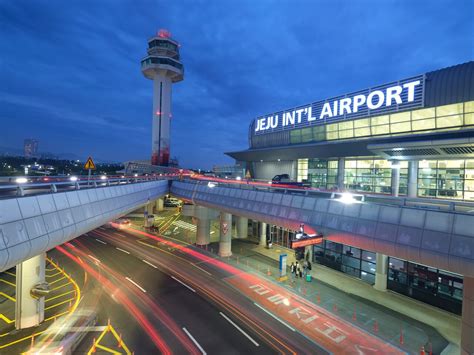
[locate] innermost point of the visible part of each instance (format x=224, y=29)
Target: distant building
x=30, y=148
x=230, y=170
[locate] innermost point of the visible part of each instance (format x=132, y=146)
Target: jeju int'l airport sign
x=389, y=98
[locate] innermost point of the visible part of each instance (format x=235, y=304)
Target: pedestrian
x=300, y=273
x=292, y=270
x=297, y=267
x=309, y=265
x=305, y=268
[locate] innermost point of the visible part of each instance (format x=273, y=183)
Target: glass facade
x=441, y=118
x=158, y=60
x=446, y=179
x=319, y=173
x=349, y=260
x=433, y=286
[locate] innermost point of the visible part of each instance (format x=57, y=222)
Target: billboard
x=389, y=98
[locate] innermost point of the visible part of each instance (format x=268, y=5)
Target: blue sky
x=70, y=70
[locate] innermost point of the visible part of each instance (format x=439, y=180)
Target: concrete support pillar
x=242, y=227
x=263, y=234
x=203, y=232
x=381, y=272
x=29, y=311
x=395, y=177
x=341, y=164
x=160, y=204
x=225, y=240
x=308, y=250
x=413, y=178
x=148, y=212
x=467, y=321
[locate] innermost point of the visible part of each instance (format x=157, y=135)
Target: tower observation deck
x=163, y=66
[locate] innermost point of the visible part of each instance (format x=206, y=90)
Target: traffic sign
x=89, y=164
x=225, y=228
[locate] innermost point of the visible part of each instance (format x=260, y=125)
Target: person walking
x=292, y=271
x=297, y=267
x=300, y=273
x=305, y=268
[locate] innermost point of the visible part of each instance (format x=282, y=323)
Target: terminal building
x=412, y=137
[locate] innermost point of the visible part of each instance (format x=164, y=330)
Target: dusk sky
x=70, y=70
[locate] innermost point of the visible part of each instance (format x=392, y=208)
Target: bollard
x=376, y=326
x=268, y=271
x=120, y=340
x=402, y=341
x=93, y=346
x=354, y=315
x=319, y=298
x=32, y=341
x=108, y=324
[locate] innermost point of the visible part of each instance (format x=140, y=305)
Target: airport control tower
x=163, y=66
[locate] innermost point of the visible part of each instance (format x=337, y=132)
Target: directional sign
x=225, y=228
x=89, y=164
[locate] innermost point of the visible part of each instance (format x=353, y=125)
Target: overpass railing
x=21, y=186
x=414, y=202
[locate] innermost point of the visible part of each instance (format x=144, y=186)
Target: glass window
x=400, y=127
x=348, y=133
x=332, y=135
x=380, y=120
x=400, y=117
x=306, y=135
x=421, y=114
x=346, y=125
x=469, y=119
x=469, y=106
x=423, y=124
x=368, y=255
x=362, y=123
x=447, y=110
x=378, y=130
x=449, y=121
x=362, y=132
x=295, y=136
x=331, y=127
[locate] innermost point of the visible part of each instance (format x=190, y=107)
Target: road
x=170, y=285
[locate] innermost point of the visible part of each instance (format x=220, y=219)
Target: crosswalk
x=185, y=225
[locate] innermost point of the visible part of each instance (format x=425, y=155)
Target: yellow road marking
x=7, y=296
x=61, y=295
x=58, y=304
x=20, y=340
x=6, y=319
x=111, y=329
x=54, y=274
x=8, y=282
x=61, y=278
x=107, y=349
x=10, y=273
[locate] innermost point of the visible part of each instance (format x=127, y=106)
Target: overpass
x=31, y=224
x=435, y=233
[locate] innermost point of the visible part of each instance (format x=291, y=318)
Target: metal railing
x=21, y=186
x=402, y=201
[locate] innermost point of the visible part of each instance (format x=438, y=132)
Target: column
x=242, y=225
x=340, y=173
x=148, y=212
x=381, y=272
x=29, y=311
x=225, y=239
x=263, y=234
x=203, y=232
x=160, y=204
x=413, y=178
x=395, y=177
x=467, y=321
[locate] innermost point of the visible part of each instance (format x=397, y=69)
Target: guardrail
x=57, y=183
x=414, y=202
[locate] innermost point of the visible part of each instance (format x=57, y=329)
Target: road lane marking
x=239, y=329
x=194, y=341
x=147, y=262
x=133, y=282
x=100, y=241
x=182, y=283
x=272, y=315
x=97, y=260
x=200, y=268
x=123, y=251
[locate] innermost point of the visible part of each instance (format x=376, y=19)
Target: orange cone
x=120, y=341
x=402, y=341
x=354, y=315
x=268, y=271
x=422, y=351
x=93, y=346
x=319, y=298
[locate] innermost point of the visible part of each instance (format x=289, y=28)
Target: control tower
x=163, y=66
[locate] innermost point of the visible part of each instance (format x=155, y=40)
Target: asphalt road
x=192, y=295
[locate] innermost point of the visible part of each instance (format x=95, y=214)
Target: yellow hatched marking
x=103, y=347
x=56, y=274
x=58, y=296
x=10, y=273
x=61, y=286
x=61, y=278
x=111, y=329
x=6, y=319
x=7, y=296
x=56, y=316
x=59, y=304
x=20, y=340
x=8, y=282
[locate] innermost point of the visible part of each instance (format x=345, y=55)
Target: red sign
x=306, y=241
